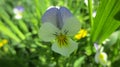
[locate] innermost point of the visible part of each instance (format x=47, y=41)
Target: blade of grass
x=23, y=26
x=7, y=32
x=14, y=27
x=90, y=11
x=5, y=17
x=104, y=22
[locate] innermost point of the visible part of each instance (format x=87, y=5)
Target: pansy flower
x=18, y=11
x=59, y=26
x=100, y=57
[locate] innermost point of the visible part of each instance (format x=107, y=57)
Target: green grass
x=24, y=47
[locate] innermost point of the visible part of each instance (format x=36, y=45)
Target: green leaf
x=23, y=26
x=104, y=22
x=112, y=39
x=117, y=16
x=79, y=61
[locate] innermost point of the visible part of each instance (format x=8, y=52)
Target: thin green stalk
x=91, y=20
x=23, y=26
x=90, y=11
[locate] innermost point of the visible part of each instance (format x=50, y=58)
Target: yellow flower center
x=62, y=39
x=1, y=44
x=101, y=56
x=5, y=41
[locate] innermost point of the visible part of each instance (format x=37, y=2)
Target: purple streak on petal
x=50, y=16
x=62, y=15
x=96, y=46
x=59, y=20
x=20, y=8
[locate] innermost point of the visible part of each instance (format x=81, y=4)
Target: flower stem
x=90, y=11
x=91, y=20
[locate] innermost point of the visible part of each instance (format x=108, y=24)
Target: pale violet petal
x=96, y=46
x=50, y=16
x=47, y=31
x=62, y=15
x=18, y=9
x=72, y=26
x=65, y=13
x=65, y=50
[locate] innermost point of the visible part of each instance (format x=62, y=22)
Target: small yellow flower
x=81, y=34
x=4, y=41
x=1, y=44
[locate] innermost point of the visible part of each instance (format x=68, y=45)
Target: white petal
x=94, y=14
x=103, y=61
x=86, y=2
x=53, y=7
x=18, y=16
x=96, y=57
x=15, y=10
x=101, y=48
x=18, y=9
x=65, y=50
x=72, y=26
x=101, y=57
x=47, y=31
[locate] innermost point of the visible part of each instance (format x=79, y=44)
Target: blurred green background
x=20, y=45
